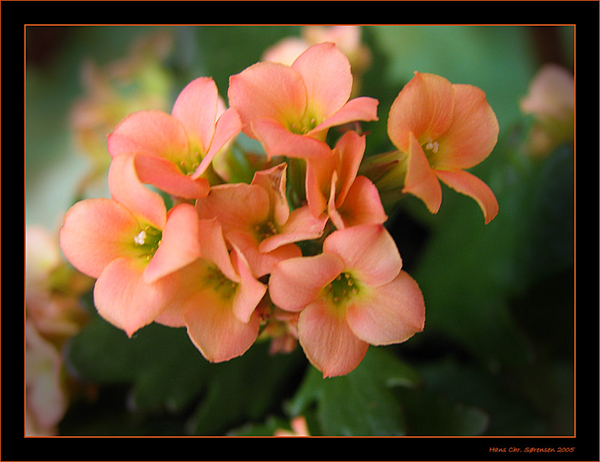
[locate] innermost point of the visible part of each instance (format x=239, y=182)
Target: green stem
x=296, y=182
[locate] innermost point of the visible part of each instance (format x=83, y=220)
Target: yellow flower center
x=431, y=148
x=342, y=288
x=219, y=282
x=191, y=164
x=302, y=127
x=147, y=241
x=264, y=230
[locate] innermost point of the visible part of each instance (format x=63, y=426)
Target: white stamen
x=432, y=146
x=140, y=239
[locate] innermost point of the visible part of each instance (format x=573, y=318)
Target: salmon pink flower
x=175, y=151
x=46, y=393
x=352, y=295
x=289, y=109
x=332, y=185
x=54, y=288
x=551, y=103
x=219, y=298
x=443, y=129
x=257, y=219
x=131, y=245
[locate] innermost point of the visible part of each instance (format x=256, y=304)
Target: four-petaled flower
x=218, y=298
x=257, y=219
x=352, y=295
x=175, y=151
x=444, y=128
x=289, y=109
x=131, y=245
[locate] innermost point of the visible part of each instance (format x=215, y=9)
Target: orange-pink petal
x=296, y=282
x=350, y=149
x=262, y=261
x=344, y=161
x=179, y=245
x=277, y=140
x=327, y=340
x=300, y=226
x=126, y=188
x=227, y=127
x=237, y=206
x=151, y=132
x=249, y=292
x=267, y=90
x=424, y=108
x=362, y=205
x=213, y=247
x=124, y=299
x=388, y=314
x=318, y=182
x=166, y=176
x=96, y=232
x=171, y=316
x=367, y=251
x=196, y=109
x=273, y=181
x=467, y=183
x=326, y=74
x=473, y=134
x=363, y=109
x=420, y=179
x=214, y=328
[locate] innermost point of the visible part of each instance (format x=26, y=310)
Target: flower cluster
x=300, y=252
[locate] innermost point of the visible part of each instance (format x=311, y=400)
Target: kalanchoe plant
x=292, y=255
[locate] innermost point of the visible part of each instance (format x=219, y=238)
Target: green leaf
x=163, y=366
x=360, y=403
x=506, y=407
x=551, y=212
x=429, y=414
x=245, y=389
x=167, y=373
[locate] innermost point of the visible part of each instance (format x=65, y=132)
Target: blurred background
x=497, y=353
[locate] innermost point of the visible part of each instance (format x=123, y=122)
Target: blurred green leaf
x=245, y=389
x=360, y=403
x=428, y=414
x=166, y=372
x=163, y=366
x=551, y=212
x=507, y=409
